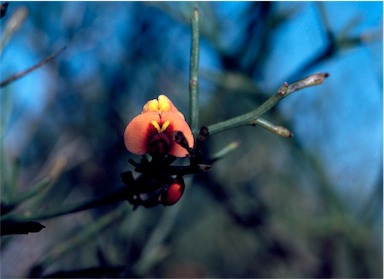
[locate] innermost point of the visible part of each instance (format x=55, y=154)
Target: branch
x=284, y=91
x=27, y=71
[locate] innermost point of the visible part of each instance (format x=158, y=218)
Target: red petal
x=138, y=131
x=177, y=124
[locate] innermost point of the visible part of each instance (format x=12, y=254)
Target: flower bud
x=173, y=192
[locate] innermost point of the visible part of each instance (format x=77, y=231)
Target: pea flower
x=153, y=130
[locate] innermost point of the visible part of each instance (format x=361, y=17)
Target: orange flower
x=153, y=130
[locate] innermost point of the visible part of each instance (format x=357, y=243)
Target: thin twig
x=284, y=91
x=193, y=73
x=27, y=71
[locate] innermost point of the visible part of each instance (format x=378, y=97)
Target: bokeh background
x=307, y=206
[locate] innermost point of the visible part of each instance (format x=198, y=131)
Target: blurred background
x=307, y=206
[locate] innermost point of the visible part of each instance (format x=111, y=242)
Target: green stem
x=35, y=189
x=194, y=73
x=284, y=91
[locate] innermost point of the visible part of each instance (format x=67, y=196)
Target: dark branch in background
x=3, y=9
x=14, y=227
x=31, y=69
x=336, y=43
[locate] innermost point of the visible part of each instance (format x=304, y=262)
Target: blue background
x=121, y=54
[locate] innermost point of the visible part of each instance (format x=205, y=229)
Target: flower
x=153, y=130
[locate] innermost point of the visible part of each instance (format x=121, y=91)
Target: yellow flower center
x=159, y=106
x=162, y=128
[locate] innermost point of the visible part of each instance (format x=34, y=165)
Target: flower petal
x=139, y=130
x=177, y=124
